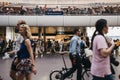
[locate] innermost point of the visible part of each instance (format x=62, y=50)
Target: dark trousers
x=76, y=65
x=108, y=77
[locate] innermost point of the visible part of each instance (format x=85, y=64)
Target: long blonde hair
x=28, y=31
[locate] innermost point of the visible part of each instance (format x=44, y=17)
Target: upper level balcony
x=60, y=14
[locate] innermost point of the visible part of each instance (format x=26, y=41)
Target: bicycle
x=56, y=74
x=86, y=64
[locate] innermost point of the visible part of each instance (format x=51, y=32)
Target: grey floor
x=44, y=66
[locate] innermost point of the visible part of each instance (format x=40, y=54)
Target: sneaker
x=6, y=56
x=41, y=55
x=36, y=56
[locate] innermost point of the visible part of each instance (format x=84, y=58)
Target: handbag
x=24, y=66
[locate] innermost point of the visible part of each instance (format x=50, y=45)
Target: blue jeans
x=108, y=77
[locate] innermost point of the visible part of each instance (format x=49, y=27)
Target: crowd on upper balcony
x=69, y=10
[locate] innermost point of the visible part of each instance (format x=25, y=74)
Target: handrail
x=65, y=9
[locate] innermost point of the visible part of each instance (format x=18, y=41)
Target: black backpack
x=86, y=62
x=82, y=46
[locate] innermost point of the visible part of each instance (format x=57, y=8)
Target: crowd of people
x=52, y=46
x=25, y=51
x=69, y=10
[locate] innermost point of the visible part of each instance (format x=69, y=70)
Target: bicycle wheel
x=55, y=75
x=86, y=75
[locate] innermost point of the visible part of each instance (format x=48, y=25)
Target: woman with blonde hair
x=26, y=65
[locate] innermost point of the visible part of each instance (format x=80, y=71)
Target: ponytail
x=100, y=24
x=94, y=34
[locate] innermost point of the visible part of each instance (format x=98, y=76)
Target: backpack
x=82, y=45
x=86, y=62
x=82, y=51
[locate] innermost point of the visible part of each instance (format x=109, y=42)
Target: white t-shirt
x=19, y=40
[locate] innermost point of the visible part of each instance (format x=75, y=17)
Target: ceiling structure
x=60, y=1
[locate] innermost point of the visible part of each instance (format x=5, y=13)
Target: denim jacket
x=74, y=47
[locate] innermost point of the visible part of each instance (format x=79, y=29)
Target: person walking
x=74, y=54
x=102, y=48
x=60, y=45
x=26, y=64
x=19, y=40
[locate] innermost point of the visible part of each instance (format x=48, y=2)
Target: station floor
x=44, y=66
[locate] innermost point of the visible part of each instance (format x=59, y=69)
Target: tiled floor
x=44, y=66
